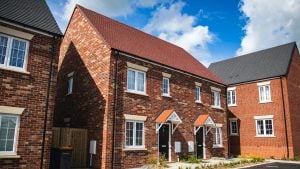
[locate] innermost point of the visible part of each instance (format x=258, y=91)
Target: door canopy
x=168, y=116
x=203, y=120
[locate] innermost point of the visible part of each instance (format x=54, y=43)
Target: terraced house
x=138, y=96
x=29, y=44
x=263, y=100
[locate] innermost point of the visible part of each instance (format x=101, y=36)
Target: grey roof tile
x=33, y=13
x=268, y=63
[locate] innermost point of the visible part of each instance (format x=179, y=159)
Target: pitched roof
x=130, y=40
x=32, y=13
x=268, y=63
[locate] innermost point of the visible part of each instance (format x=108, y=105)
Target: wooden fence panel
x=77, y=139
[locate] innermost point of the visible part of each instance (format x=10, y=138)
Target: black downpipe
x=47, y=102
x=114, y=109
x=285, y=123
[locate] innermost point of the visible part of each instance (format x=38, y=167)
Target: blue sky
x=211, y=30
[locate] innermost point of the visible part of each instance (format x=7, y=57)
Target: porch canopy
x=203, y=120
x=168, y=116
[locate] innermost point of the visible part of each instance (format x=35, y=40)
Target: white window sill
x=69, y=94
x=234, y=134
x=263, y=102
x=14, y=70
x=135, y=149
x=232, y=105
x=265, y=136
x=216, y=107
x=218, y=146
x=9, y=156
x=166, y=95
x=198, y=101
x=135, y=92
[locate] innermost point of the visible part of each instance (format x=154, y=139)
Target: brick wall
x=29, y=91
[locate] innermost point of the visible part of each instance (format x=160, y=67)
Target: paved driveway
x=276, y=165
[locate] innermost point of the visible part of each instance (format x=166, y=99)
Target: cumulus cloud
x=171, y=24
x=269, y=23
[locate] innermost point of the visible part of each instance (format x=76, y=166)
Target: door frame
x=169, y=146
x=203, y=142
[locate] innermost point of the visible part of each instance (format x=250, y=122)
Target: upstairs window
x=231, y=97
x=198, y=94
x=166, y=86
x=136, y=81
x=216, y=100
x=264, y=92
x=70, y=83
x=13, y=52
x=8, y=134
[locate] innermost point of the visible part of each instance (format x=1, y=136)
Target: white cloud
x=171, y=24
x=269, y=23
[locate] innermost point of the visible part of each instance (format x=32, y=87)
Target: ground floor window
x=8, y=134
x=233, y=127
x=134, y=134
x=218, y=137
x=264, y=127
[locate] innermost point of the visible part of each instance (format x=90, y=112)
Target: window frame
x=16, y=134
x=8, y=53
x=196, y=94
x=219, y=145
x=134, y=146
x=230, y=126
x=264, y=119
x=264, y=85
x=135, y=82
x=166, y=94
x=213, y=99
x=230, y=94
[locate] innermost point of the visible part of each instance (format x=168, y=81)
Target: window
x=136, y=81
x=198, y=94
x=216, y=99
x=8, y=134
x=231, y=97
x=166, y=86
x=264, y=93
x=70, y=83
x=218, y=137
x=264, y=127
x=233, y=127
x=13, y=52
x=134, y=134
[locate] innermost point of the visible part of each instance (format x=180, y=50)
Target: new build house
x=263, y=101
x=138, y=96
x=29, y=44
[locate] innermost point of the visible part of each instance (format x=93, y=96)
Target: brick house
x=29, y=44
x=137, y=95
x=263, y=97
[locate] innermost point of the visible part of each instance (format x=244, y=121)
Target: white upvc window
x=264, y=92
x=234, y=131
x=231, y=97
x=217, y=142
x=264, y=126
x=70, y=83
x=216, y=99
x=198, y=94
x=13, y=52
x=136, y=81
x=9, y=125
x=134, y=134
x=166, y=86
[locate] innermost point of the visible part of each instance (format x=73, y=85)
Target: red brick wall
x=293, y=86
x=247, y=107
x=29, y=91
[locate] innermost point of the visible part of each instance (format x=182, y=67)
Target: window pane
x=217, y=136
x=130, y=79
x=262, y=93
x=198, y=95
x=269, y=127
x=3, y=47
x=260, y=127
x=140, y=82
x=165, y=86
x=17, y=53
x=234, y=127
x=11, y=134
x=233, y=97
x=11, y=122
x=229, y=97
x=217, y=99
x=267, y=92
x=4, y=122
x=3, y=133
x=2, y=145
x=9, y=145
x=129, y=133
x=70, y=85
x=139, y=134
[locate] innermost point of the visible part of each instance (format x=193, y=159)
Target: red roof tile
x=130, y=40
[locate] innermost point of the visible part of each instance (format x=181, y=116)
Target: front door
x=164, y=140
x=199, y=143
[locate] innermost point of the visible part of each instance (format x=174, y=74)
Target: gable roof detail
x=137, y=43
x=268, y=63
x=32, y=13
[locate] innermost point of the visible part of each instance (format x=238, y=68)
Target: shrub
x=297, y=158
x=189, y=159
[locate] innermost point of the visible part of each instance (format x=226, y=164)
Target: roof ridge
x=130, y=27
x=258, y=51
